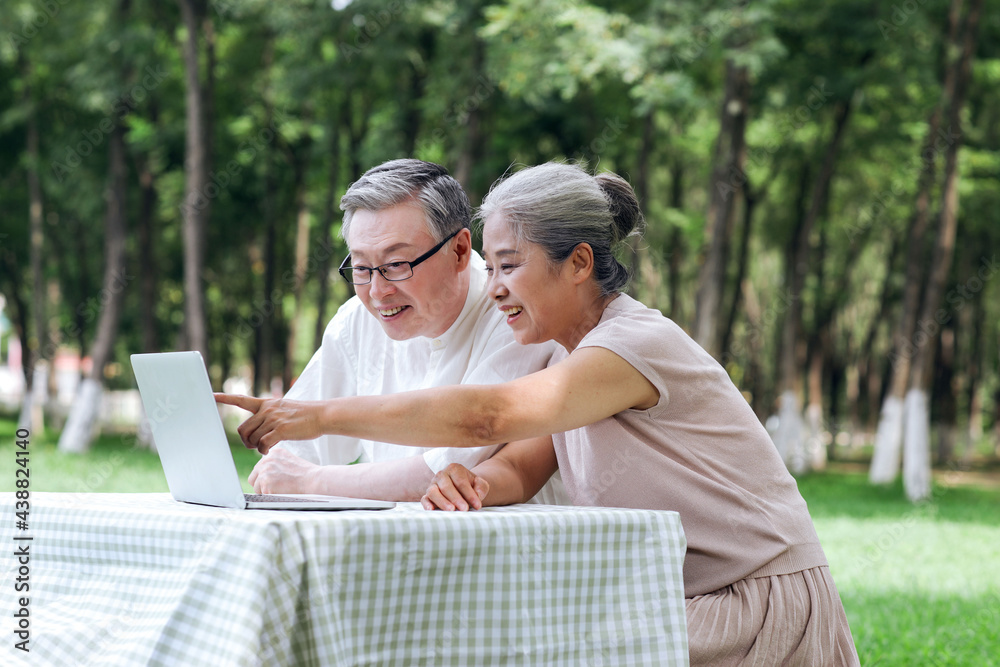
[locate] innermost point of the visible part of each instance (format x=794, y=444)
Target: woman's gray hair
x=559, y=206
x=443, y=201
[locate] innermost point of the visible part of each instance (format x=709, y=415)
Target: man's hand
x=275, y=419
x=456, y=487
x=283, y=472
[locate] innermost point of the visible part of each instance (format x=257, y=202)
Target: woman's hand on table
x=275, y=419
x=455, y=488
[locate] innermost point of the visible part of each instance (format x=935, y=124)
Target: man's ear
x=461, y=249
x=582, y=262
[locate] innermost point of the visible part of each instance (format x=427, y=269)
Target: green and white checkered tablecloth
x=139, y=579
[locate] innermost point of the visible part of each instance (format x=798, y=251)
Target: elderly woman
x=634, y=414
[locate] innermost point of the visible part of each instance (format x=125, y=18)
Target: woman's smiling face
x=526, y=287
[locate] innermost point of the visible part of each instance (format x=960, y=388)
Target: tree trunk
x=197, y=203
x=943, y=393
x=263, y=369
x=471, y=150
x=866, y=368
x=973, y=365
x=326, y=231
x=725, y=186
x=916, y=441
x=81, y=425
x=836, y=372
x=889, y=437
x=789, y=436
x=749, y=202
x=301, y=263
x=416, y=83
x=996, y=422
x=638, y=255
x=36, y=354
x=676, y=241
x=789, y=416
x=82, y=246
x=75, y=286
x=20, y=316
x=824, y=362
x=852, y=381
x=754, y=378
x=356, y=132
x=815, y=453
x=147, y=258
x=264, y=357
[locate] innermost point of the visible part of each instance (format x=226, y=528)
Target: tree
x=79, y=430
x=789, y=440
x=80, y=426
x=889, y=437
x=197, y=202
x=916, y=439
x=309, y=96
x=38, y=355
x=726, y=185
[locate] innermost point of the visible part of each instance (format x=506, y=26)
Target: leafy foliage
x=307, y=95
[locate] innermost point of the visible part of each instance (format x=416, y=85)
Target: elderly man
x=421, y=318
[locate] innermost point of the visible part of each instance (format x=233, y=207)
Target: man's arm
x=403, y=480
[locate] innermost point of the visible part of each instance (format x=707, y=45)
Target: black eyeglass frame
x=382, y=268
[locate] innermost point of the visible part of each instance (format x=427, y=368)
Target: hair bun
x=622, y=203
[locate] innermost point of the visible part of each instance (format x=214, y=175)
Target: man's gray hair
x=441, y=198
x=559, y=206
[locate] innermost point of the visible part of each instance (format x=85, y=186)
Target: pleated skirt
x=788, y=619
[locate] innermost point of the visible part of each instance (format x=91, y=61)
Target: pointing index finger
x=246, y=402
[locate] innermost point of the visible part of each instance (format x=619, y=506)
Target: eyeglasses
x=394, y=271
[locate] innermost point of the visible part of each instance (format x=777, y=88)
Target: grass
x=115, y=464
x=920, y=583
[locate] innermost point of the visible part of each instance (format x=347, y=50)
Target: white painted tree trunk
x=788, y=439
x=33, y=406
x=83, y=416
x=888, y=442
x=815, y=449
x=24, y=419
x=916, y=446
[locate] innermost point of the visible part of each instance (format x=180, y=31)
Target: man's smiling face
x=427, y=303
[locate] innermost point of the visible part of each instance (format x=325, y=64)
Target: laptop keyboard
x=267, y=498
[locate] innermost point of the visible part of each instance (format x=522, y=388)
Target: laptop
x=192, y=444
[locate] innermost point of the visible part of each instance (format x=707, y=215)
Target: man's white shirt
x=357, y=358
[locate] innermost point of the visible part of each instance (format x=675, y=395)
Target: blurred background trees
x=820, y=184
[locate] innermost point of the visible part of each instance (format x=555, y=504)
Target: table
x=139, y=579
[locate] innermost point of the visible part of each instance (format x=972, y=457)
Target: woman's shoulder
x=631, y=319
x=634, y=330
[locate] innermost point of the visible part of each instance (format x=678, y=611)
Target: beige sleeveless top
x=700, y=451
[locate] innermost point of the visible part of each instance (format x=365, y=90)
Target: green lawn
x=921, y=584
x=114, y=464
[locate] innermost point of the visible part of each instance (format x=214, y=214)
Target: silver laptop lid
x=188, y=432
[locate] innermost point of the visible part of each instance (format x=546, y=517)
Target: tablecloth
x=140, y=579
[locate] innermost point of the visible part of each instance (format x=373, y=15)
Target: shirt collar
x=477, y=292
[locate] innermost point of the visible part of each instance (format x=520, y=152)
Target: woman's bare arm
x=591, y=384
